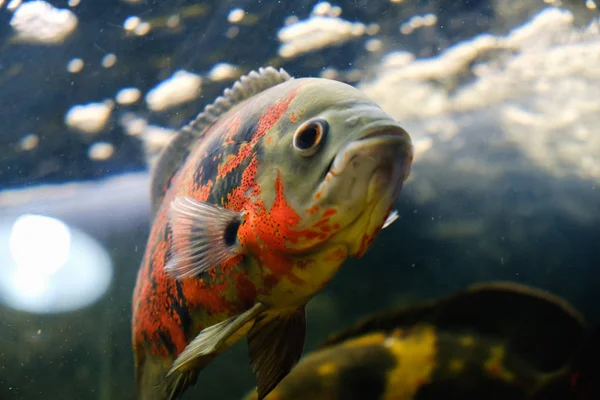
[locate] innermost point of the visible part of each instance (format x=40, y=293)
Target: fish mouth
x=364, y=178
x=373, y=144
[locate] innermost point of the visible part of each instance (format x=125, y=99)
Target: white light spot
x=109, y=60
x=173, y=21
x=13, y=5
x=329, y=73
x=29, y=142
x=131, y=23
x=75, y=65
x=74, y=3
x=232, y=32
x=49, y=237
x=292, y=19
x=335, y=11
x=155, y=139
x=223, y=71
x=39, y=22
x=316, y=33
x=142, y=29
x=429, y=19
x=417, y=22
x=180, y=88
x=373, y=45
x=48, y=267
x=132, y=124
x=128, y=95
x=373, y=29
x=236, y=15
x=322, y=8
x=101, y=151
x=89, y=118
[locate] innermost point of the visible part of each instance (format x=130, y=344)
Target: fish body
x=257, y=203
x=491, y=341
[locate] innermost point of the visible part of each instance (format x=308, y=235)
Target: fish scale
x=240, y=169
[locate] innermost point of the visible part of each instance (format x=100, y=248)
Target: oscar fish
x=494, y=341
x=256, y=204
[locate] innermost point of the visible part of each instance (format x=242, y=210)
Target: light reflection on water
x=49, y=267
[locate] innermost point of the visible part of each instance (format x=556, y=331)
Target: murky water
x=500, y=98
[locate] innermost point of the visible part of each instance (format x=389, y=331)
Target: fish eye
x=309, y=136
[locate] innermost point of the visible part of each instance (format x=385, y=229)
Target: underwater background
x=500, y=98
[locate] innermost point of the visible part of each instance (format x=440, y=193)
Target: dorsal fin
x=174, y=154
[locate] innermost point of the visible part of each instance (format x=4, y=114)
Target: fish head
x=333, y=167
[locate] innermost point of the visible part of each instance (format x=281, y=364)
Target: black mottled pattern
x=219, y=147
x=361, y=373
x=367, y=379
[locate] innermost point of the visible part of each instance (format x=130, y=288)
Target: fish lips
x=365, y=178
x=388, y=146
x=370, y=168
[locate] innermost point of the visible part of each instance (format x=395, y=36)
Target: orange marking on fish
x=364, y=245
x=321, y=222
x=494, y=369
x=236, y=200
x=279, y=265
x=228, y=266
x=199, y=295
x=245, y=288
x=265, y=123
x=157, y=313
x=282, y=212
x=329, y=212
x=336, y=256
x=201, y=193
x=293, y=117
x=313, y=209
x=265, y=231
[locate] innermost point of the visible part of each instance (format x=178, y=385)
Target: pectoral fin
x=275, y=344
x=204, y=236
x=212, y=339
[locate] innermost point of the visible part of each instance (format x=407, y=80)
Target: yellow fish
x=493, y=341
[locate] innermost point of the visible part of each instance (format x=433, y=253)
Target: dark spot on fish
x=166, y=341
x=207, y=169
x=471, y=381
x=182, y=310
x=247, y=129
x=225, y=185
x=367, y=379
x=230, y=234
